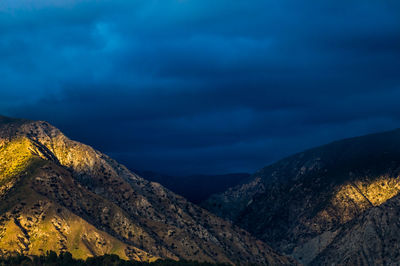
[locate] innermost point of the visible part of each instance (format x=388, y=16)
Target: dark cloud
x=186, y=86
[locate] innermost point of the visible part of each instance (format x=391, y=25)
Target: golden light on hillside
x=355, y=197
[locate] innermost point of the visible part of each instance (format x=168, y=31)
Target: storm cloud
x=184, y=86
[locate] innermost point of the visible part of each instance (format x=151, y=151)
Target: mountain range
x=337, y=204
x=59, y=194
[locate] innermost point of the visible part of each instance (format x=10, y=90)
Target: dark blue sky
x=205, y=86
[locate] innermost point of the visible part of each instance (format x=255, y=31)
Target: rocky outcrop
x=372, y=238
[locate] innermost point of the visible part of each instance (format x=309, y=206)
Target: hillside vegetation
x=61, y=195
x=66, y=259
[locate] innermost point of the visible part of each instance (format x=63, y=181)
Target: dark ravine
x=336, y=204
x=196, y=188
x=62, y=195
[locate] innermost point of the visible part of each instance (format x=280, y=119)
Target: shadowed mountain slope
x=372, y=238
x=310, y=204
x=58, y=194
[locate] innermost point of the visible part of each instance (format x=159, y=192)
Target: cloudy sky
x=202, y=86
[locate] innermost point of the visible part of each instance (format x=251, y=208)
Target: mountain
x=196, y=188
x=337, y=204
x=372, y=238
x=58, y=194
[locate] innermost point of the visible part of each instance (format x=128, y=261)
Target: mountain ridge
x=300, y=204
x=72, y=187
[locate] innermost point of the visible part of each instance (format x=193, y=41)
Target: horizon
x=150, y=171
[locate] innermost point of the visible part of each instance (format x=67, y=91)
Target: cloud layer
x=202, y=86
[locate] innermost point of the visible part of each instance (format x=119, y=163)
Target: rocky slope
x=372, y=238
x=58, y=194
x=325, y=205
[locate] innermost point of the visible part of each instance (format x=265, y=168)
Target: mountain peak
x=59, y=194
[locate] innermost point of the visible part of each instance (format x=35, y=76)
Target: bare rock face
x=372, y=238
x=58, y=194
x=306, y=204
